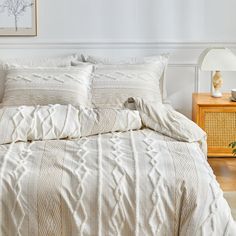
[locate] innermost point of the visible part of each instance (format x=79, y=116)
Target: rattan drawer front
x=217, y=116
x=220, y=128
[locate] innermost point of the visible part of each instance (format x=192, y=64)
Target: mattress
x=135, y=180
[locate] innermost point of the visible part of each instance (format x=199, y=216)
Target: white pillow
x=57, y=61
x=114, y=84
x=43, y=86
x=163, y=58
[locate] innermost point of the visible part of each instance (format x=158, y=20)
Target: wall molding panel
x=67, y=44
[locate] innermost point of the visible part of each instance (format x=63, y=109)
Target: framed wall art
x=18, y=17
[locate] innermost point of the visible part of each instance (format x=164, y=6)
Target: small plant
x=233, y=145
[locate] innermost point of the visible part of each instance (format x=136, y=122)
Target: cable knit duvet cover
x=68, y=171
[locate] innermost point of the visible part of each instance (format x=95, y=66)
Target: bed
x=118, y=163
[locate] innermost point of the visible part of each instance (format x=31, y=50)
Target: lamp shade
x=217, y=59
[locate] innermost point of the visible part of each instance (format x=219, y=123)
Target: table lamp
x=217, y=60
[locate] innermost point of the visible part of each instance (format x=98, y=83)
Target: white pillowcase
x=57, y=61
x=163, y=58
x=114, y=84
x=43, y=86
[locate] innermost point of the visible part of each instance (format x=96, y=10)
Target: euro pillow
x=44, y=85
x=36, y=61
x=40, y=61
x=112, y=85
x=163, y=58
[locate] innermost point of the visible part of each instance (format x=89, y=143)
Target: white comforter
x=107, y=175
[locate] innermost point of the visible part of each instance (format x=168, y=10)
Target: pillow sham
x=34, y=61
x=163, y=58
x=114, y=84
x=44, y=85
x=56, y=61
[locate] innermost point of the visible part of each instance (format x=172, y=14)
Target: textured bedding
x=162, y=58
x=48, y=85
x=105, y=174
x=34, y=61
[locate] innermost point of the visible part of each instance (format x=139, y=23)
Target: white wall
x=136, y=27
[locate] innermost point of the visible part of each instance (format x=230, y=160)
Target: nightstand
x=217, y=116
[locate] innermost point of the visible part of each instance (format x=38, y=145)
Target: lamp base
x=217, y=82
x=216, y=94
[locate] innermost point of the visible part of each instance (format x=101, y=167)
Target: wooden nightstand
x=217, y=116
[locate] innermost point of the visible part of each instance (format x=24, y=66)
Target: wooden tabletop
x=207, y=99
